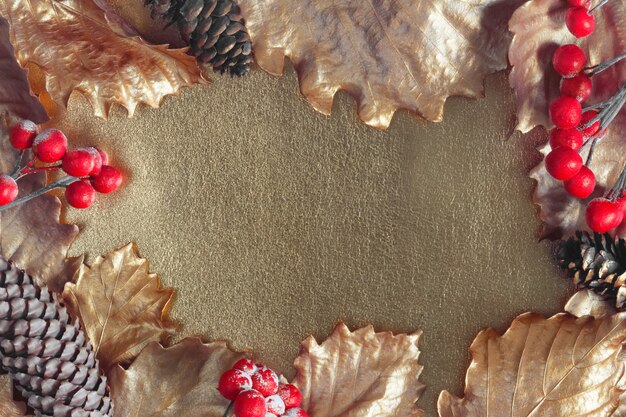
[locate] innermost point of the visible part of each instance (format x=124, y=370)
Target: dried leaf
x=31, y=234
x=360, y=373
x=79, y=47
x=8, y=407
x=561, y=366
x=15, y=95
x=388, y=55
x=539, y=28
x=121, y=305
x=589, y=303
x=177, y=381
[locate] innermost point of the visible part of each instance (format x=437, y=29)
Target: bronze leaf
x=8, y=407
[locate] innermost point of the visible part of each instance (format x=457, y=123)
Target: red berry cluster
x=87, y=168
x=256, y=391
x=577, y=128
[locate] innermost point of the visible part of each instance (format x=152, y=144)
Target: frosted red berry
x=580, y=22
x=97, y=160
x=79, y=162
x=80, y=194
x=569, y=60
x=275, y=405
x=570, y=138
x=563, y=163
x=582, y=184
x=232, y=382
x=8, y=190
x=50, y=145
x=290, y=394
x=586, y=118
x=295, y=412
x=565, y=112
x=246, y=365
x=602, y=215
x=265, y=381
x=23, y=134
x=108, y=180
x=250, y=403
x=578, y=87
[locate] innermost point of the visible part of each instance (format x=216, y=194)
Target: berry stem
x=597, y=6
x=18, y=164
x=229, y=409
x=591, y=71
x=592, y=147
x=63, y=182
x=24, y=173
x=610, y=109
x=618, y=189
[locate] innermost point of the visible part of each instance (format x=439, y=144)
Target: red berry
x=563, y=163
x=565, y=112
x=295, y=412
x=80, y=194
x=246, y=365
x=582, y=184
x=568, y=60
x=23, y=134
x=578, y=3
x=232, y=382
x=602, y=215
x=580, y=22
x=97, y=160
x=290, y=394
x=250, y=403
x=275, y=405
x=594, y=128
x=570, y=138
x=50, y=145
x=578, y=87
x=79, y=162
x=8, y=190
x=108, y=180
x=265, y=381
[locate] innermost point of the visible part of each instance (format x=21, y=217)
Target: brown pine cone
x=48, y=357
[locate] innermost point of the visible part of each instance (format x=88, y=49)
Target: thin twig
x=63, y=182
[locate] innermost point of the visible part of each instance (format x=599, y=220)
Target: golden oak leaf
x=388, y=55
x=79, y=46
x=121, y=305
x=539, y=28
x=561, y=366
x=31, y=234
x=360, y=373
x=8, y=407
x=171, y=382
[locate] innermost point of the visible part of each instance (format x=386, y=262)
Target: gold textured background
x=273, y=222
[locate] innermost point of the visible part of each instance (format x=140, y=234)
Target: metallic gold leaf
x=121, y=305
x=360, y=373
x=8, y=407
x=172, y=382
x=387, y=54
x=80, y=47
x=539, y=28
x=588, y=303
x=31, y=234
x=561, y=366
x=15, y=95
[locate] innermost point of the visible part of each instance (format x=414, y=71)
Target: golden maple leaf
x=78, y=46
x=121, y=305
x=172, y=382
x=391, y=55
x=8, y=407
x=539, y=28
x=360, y=373
x=561, y=366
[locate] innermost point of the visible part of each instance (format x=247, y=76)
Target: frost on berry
x=265, y=381
x=275, y=405
x=247, y=365
x=23, y=134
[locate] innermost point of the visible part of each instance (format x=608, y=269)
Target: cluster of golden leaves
x=539, y=28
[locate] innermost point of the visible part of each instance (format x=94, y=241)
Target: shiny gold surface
x=273, y=221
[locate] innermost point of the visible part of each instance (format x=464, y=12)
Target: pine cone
x=597, y=263
x=214, y=30
x=48, y=357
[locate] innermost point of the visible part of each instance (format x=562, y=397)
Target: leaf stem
x=63, y=182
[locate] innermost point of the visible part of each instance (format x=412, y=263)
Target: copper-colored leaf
x=121, y=305
x=15, y=95
x=561, y=366
x=78, y=48
x=539, y=28
x=388, y=55
x=31, y=234
x=8, y=407
x=173, y=382
x=360, y=373
x=588, y=303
